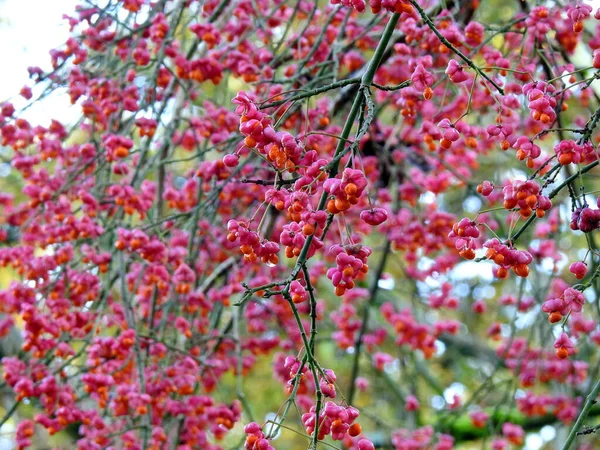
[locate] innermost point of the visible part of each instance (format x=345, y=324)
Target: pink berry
x=579, y=269
x=364, y=444
x=375, y=216
x=231, y=160
x=412, y=404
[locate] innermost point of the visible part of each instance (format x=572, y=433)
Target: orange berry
x=308, y=229
x=355, y=429
x=428, y=93
x=342, y=204
x=521, y=270
x=562, y=353
x=467, y=253
x=531, y=201
x=351, y=189
x=502, y=272
x=498, y=258
x=250, y=142
x=121, y=152
x=554, y=317
x=565, y=158
x=246, y=249
x=348, y=271
x=340, y=290
x=510, y=203
x=183, y=288
x=445, y=143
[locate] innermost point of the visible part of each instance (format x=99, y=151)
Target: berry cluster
x=333, y=419
x=527, y=197
x=507, y=258
x=251, y=246
x=346, y=191
x=586, y=219
x=351, y=264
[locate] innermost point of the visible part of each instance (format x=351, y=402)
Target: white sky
x=29, y=29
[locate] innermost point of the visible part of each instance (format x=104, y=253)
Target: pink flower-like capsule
x=231, y=160
x=7, y=109
x=183, y=278
x=465, y=232
x=380, y=359
x=328, y=389
x=585, y=219
x=298, y=292
x=568, y=152
x=26, y=93
x=556, y=309
x=25, y=430
x=579, y=269
x=499, y=444
x=474, y=33
x=478, y=307
x=514, y=433
x=456, y=72
x=564, y=346
x=503, y=130
x=526, y=149
x=364, y=444
x=479, y=418
x=596, y=57
x=421, y=80
x=450, y=133
x=485, y=188
x=412, y=404
x=578, y=14
x=375, y=216
x=574, y=299
x=362, y=384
